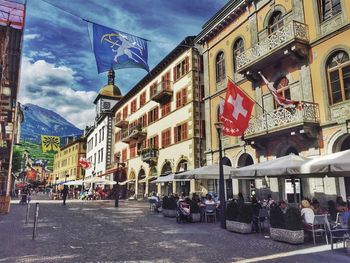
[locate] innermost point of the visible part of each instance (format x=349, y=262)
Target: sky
x=58, y=70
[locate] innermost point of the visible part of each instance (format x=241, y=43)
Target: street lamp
x=219, y=126
x=56, y=182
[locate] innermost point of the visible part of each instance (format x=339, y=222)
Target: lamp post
x=218, y=126
x=56, y=182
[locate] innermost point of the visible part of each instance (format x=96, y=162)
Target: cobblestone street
x=96, y=231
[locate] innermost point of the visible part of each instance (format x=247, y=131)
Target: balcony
x=121, y=123
x=291, y=38
x=306, y=114
x=164, y=92
x=133, y=134
x=149, y=155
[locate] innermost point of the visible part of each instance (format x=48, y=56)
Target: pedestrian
x=64, y=194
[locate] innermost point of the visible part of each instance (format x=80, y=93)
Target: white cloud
x=28, y=37
x=50, y=86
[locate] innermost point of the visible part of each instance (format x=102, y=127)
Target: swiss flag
x=236, y=111
x=84, y=163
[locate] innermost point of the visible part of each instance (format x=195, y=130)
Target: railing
x=282, y=118
x=292, y=31
x=132, y=133
x=148, y=154
x=164, y=91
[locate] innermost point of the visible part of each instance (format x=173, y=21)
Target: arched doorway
x=166, y=187
x=182, y=186
x=141, y=187
x=131, y=184
x=228, y=182
x=152, y=187
x=246, y=186
x=346, y=146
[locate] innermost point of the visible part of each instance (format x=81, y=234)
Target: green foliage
x=276, y=217
x=194, y=207
x=293, y=219
x=245, y=213
x=17, y=161
x=232, y=211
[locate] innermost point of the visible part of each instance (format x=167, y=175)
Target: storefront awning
x=127, y=181
x=149, y=178
x=168, y=178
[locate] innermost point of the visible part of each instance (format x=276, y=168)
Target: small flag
x=236, y=111
x=50, y=143
x=286, y=103
x=116, y=49
x=84, y=163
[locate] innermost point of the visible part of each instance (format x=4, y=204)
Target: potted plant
x=169, y=206
x=286, y=227
x=239, y=218
x=195, y=211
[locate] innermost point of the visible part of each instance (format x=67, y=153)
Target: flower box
x=288, y=236
x=239, y=227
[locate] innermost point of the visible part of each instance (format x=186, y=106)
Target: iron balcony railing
x=292, y=31
x=281, y=118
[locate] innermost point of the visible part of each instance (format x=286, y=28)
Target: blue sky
x=58, y=66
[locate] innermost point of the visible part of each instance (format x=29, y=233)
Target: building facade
x=99, y=136
x=159, y=127
x=66, y=162
x=300, y=46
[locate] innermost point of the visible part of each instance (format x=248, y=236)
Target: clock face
x=105, y=105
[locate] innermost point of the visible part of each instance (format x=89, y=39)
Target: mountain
x=40, y=121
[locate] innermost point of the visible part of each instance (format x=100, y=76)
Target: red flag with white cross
x=236, y=111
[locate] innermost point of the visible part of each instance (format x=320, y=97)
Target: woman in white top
x=307, y=213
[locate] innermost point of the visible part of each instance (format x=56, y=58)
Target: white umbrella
x=205, y=172
x=99, y=180
x=335, y=163
x=77, y=182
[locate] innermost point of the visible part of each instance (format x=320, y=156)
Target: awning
x=99, y=180
x=77, y=182
x=205, y=172
x=168, y=178
x=127, y=181
x=149, y=178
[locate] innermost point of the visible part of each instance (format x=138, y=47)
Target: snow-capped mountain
x=40, y=121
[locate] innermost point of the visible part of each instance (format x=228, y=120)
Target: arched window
x=338, y=73
x=282, y=87
x=328, y=8
x=275, y=22
x=238, y=48
x=220, y=67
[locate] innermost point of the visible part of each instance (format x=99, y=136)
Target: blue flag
x=116, y=49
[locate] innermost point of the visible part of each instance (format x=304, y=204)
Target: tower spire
x=111, y=76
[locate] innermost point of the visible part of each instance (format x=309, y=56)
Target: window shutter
x=184, y=96
x=156, y=141
x=157, y=112
x=175, y=76
x=178, y=99
x=184, y=131
x=187, y=62
x=175, y=134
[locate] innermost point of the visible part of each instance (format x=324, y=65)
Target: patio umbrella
x=205, y=172
x=331, y=164
x=77, y=182
x=99, y=180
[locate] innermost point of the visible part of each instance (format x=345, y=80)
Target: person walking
x=64, y=194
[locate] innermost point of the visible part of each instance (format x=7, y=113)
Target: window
x=180, y=133
x=153, y=115
x=238, y=48
x=275, y=22
x=153, y=142
x=328, y=8
x=338, y=73
x=181, y=98
x=220, y=67
x=182, y=68
x=96, y=139
x=102, y=155
x=125, y=113
x=103, y=133
x=133, y=106
x=282, y=88
x=166, y=138
x=153, y=90
x=166, y=81
x=142, y=121
x=166, y=108
x=142, y=99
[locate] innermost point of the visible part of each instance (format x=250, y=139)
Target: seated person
x=316, y=207
x=283, y=206
x=346, y=215
x=307, y=213
x=209, y=200
x=157, y=203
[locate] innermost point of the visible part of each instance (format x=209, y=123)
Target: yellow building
x=303, y=48
x=66, y=162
